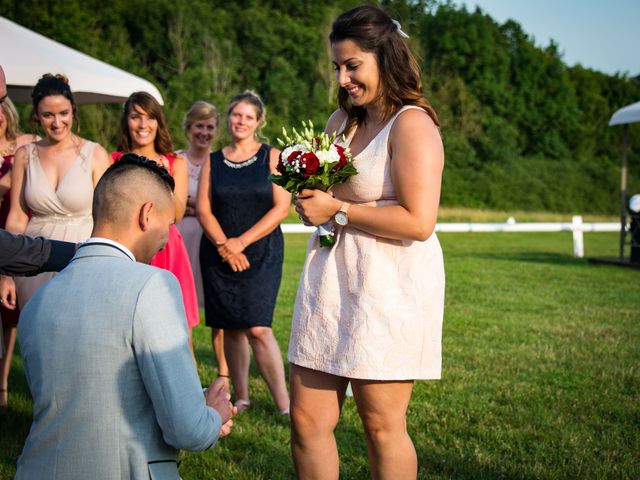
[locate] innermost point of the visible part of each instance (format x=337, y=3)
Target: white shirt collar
x=124, y=249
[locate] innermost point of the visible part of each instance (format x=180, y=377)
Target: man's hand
x=218, y=397
x=7, y=292
x=226, y=428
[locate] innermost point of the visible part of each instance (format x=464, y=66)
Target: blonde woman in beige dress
x=200, y=126
x=54, y=177
x=369, y=310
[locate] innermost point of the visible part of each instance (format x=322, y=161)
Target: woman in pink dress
x=144, y=131
x=200, y=127
x=369, y=310
x=11, y=138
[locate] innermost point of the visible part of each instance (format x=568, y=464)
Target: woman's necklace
x=55, y=149
x=240, y=155
x=9, y=149
x=194, y=164
x=197, y=160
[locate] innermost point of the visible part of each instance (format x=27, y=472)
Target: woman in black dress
x=242, y=249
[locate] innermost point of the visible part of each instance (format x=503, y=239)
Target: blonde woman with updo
x=243, y=247
x=200, y=127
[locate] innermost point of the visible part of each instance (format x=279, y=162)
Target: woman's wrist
x=337, y=204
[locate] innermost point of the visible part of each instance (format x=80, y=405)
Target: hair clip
x=399, y=28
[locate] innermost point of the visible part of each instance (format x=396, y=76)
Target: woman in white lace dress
x=200, y=126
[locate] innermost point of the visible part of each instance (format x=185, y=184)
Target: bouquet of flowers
x=311, y=160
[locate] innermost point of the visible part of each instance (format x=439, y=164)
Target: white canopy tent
x=628, y=114
x=26, y=56
x=624, y=116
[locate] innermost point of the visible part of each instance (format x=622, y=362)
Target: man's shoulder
x=109, y=265
x=141, y=279
x=134, y=276
x=98, y=275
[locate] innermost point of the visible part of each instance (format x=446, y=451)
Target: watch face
x=341, y=218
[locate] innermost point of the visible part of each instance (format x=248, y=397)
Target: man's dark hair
x=114, y=192
x=131, y=161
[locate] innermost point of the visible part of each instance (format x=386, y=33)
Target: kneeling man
x=106, y=348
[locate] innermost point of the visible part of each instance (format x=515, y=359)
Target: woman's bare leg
x=316, y=400
x=269, y=362
x=217, y=342
x=9, y=339
x=383, y=408
x=236, y=350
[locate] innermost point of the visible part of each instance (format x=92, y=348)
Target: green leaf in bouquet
x=291, y=186
x=278, y=179
x=327, y=241
x=320, y=184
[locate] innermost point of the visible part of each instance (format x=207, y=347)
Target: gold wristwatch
x=342, y=217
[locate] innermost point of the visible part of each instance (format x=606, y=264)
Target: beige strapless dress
x=370, y=307
x=191, y=231
x=63, y=214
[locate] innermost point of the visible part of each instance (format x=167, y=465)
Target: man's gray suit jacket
x=115, y=391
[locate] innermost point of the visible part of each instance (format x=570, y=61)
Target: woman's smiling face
x=243, y=121
x=142, y=128
x=55, y=115
x=203, y=132
x=357, y=72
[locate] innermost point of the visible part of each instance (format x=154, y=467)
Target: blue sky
x=599, y=34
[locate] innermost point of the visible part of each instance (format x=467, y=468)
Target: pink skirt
x=174, y=257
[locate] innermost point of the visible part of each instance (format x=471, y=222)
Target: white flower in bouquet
x=328, y=156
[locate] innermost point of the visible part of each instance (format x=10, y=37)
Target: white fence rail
x=576, y=226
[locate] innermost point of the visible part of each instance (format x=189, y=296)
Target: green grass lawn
x=540, y=379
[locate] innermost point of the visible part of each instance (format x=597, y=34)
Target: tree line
x=522, y=130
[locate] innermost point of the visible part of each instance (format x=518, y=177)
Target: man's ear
x=146, y=210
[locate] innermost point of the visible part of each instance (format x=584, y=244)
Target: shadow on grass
x=456, y=468
x=205, y=356
x=15, y=423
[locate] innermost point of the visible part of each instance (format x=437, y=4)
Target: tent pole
x=623, y=194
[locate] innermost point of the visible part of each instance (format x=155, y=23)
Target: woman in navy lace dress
x=241, y=252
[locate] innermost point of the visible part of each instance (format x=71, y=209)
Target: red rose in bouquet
x=343, y=158
x=309, y=163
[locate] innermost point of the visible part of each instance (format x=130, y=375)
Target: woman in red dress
x=144, y=131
